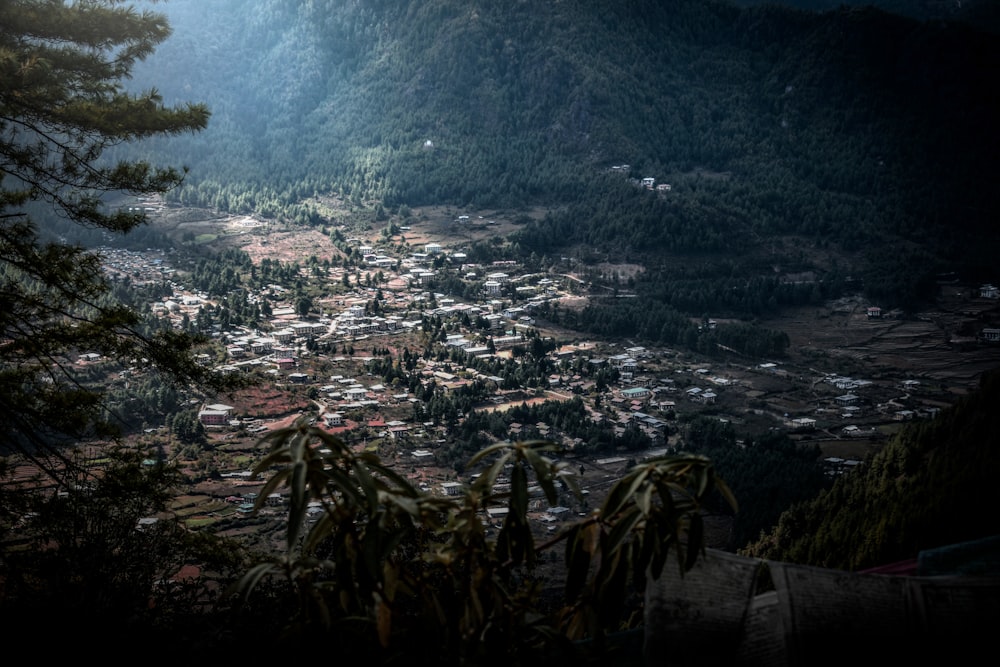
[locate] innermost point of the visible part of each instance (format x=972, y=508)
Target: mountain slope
x=853, y=127
x=931, y=486
x=980, y=13
x=358, y=88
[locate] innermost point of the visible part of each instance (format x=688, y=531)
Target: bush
x=377, y=565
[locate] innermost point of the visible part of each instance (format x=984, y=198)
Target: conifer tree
x=63, y=105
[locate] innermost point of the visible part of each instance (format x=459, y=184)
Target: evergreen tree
x=63, y=105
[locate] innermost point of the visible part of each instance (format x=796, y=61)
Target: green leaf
x=642, y=554
x=338, y=448
x=298, y=502
x=485, y=452
x=367, y=485
x=485, y=482
x=403, y=485
x=696, y=540
x=622, y=528
x=544, y=473
x=622, y=493
x=269, y=487
x=727, y=493
x=276, y=458
x=297, y=445
x=322, y=529
x=248, y=582
x=569, y=478
x=342, y=482
x=518, y=492
x=644, y=499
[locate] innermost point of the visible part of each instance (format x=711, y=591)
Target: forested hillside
x=930, y=487
x=981, y=13
x=842, y=132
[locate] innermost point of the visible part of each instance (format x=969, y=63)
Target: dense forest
x=804, y=140
x=982, y=13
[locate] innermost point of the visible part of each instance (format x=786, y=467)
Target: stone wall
x=719, y=613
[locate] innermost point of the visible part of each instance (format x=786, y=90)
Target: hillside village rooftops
x=842, y=382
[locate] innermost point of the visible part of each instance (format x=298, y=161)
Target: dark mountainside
x=806, y=141
x=983, y=14
x=930, y=487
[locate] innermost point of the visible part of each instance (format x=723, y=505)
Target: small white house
x=802, y=424
x=355, y=393
x=451, y=488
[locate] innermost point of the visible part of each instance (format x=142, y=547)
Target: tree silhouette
x=63, y=105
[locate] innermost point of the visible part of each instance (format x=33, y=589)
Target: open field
x=453, y=228
x=840, y=338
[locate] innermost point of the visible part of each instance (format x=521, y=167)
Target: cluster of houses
x=637, y=400
x=506, y=302
x=854, y=405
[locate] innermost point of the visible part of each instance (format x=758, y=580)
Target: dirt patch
x=535, y=400
x=285, y=247
x=266, y=401
x=857, y=450
x=454, y=228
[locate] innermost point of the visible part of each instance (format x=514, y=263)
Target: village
x=392, y=366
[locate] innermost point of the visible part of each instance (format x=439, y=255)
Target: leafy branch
x=414, y=566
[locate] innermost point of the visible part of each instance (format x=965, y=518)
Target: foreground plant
x=371, y=558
